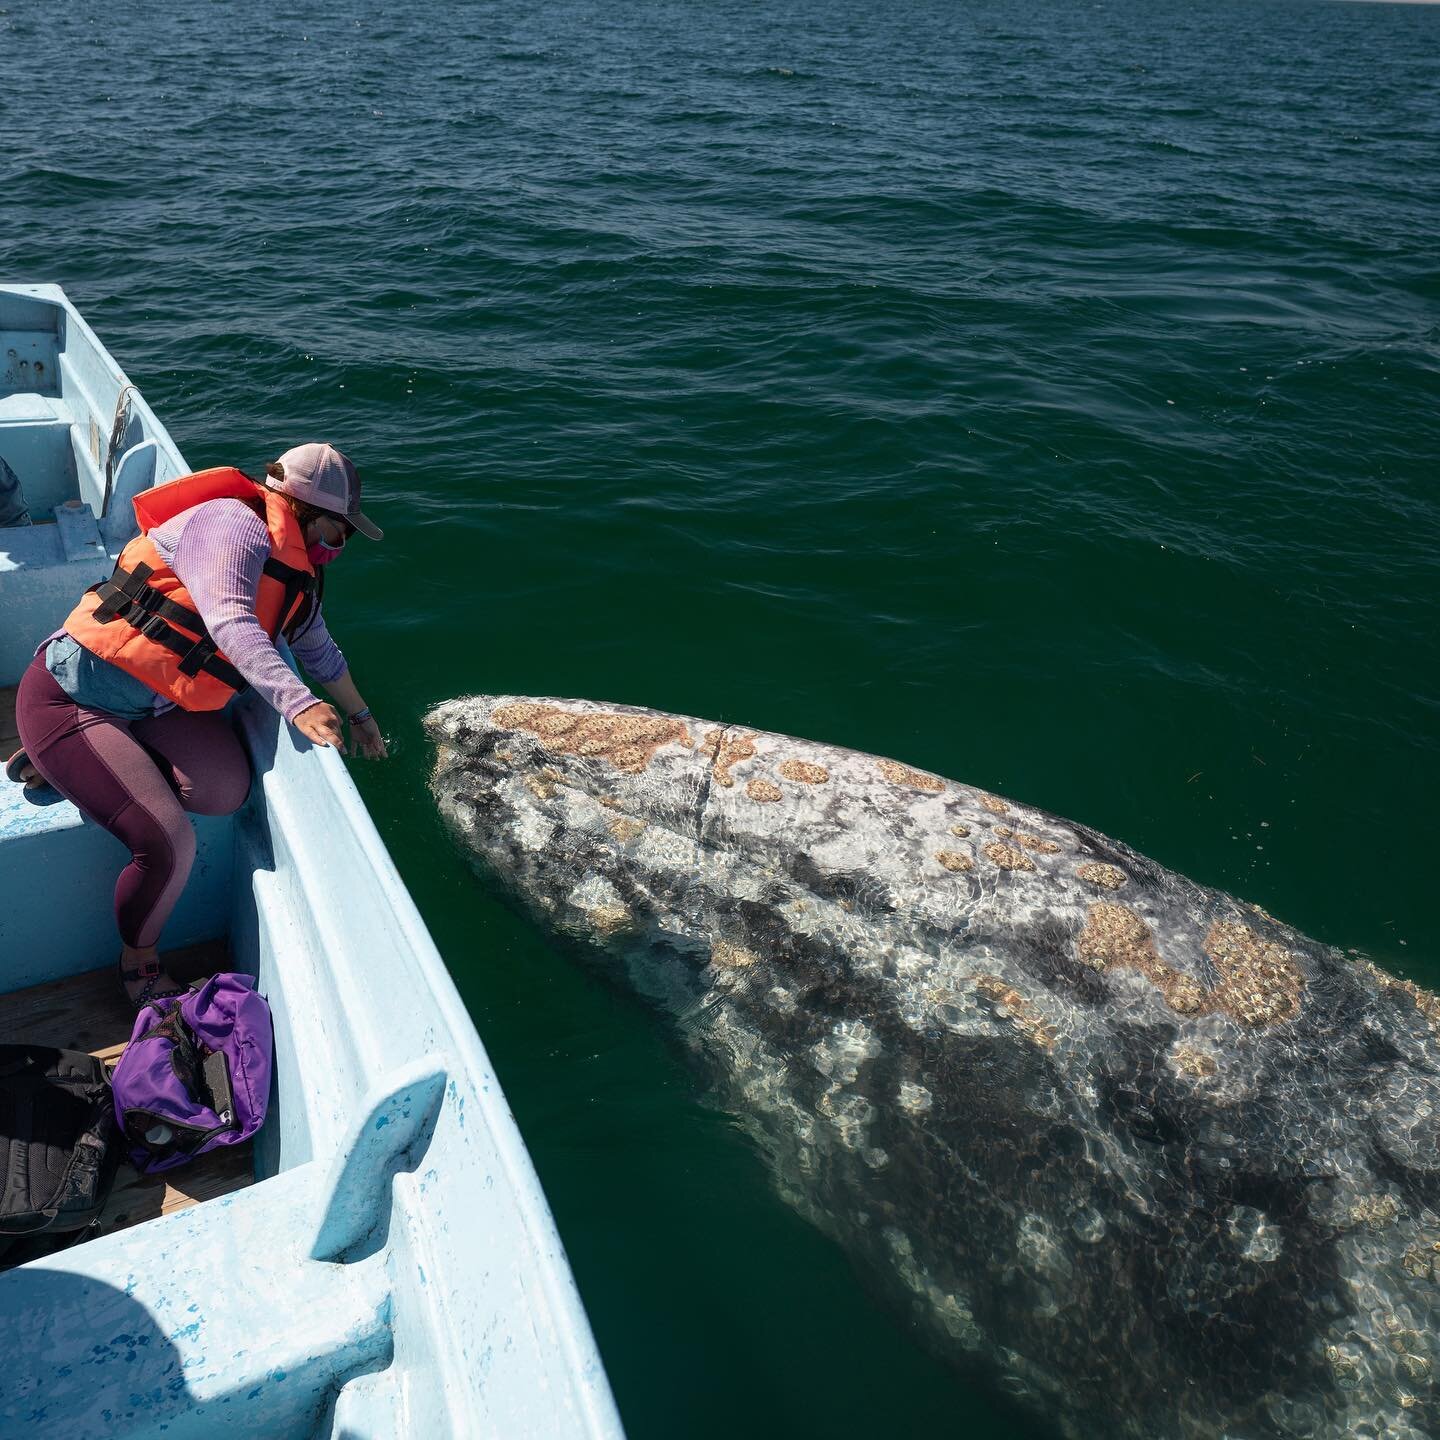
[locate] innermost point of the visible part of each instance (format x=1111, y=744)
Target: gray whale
x=1157, y=1163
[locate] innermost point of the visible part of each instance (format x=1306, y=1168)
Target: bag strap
x=215, y=1071
x=205, y=1074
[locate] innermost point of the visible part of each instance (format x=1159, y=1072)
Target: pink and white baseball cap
x=321, y=476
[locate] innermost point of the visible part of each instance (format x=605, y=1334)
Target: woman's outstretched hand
x=320, y=724
x=366, y=739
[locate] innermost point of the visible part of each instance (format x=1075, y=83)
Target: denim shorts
x=95, y=683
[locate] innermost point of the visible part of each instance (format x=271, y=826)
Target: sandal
x=38, y=792
x=149, y=971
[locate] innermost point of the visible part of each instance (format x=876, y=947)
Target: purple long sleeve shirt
x=217, y=550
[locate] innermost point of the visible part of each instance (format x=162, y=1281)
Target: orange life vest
x=143, y=620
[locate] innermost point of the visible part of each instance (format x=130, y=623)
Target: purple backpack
x=196, y=1073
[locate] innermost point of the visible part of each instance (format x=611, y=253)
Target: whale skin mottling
x=1152, y=1160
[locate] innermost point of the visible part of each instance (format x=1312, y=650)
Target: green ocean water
x=1047, y=395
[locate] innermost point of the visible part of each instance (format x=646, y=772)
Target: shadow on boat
x=118, y=1349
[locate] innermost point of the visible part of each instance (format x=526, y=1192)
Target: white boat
x=380, y=1260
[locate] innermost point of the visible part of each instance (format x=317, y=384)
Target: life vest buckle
x=147, y=602
x=197, y=657
x=115, y=603
x=155, y=628
x=126, y=594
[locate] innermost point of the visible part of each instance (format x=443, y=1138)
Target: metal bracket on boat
x=391, y=1134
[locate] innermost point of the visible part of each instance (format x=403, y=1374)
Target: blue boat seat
x=58, y=919
x=23, y=407
x=136, y=470
x=43, y=570
x=36, y=440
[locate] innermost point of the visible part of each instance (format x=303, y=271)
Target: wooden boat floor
x=88, y=1012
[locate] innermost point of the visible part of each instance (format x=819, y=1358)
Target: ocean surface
x=1044, y=394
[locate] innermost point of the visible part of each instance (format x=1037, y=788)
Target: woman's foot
x=20, y=769
x=144, y=978
x=37, y=789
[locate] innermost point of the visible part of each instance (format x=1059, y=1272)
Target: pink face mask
x=319, y=553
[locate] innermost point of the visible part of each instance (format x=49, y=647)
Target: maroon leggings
x=136, y=778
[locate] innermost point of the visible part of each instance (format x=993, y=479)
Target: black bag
x=57, y=1148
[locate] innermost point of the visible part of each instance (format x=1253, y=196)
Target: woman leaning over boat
x=120, y=709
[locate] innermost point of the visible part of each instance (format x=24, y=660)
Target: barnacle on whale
x=1427, y=1002
x=1021, y=1012
x=1423, y=1260
x=606, y=920
x=1116, y=935
x=898, y=774
x=1376, y=1211
x=954, y=860
x=803, y=772
x=628, y=742
x=1007, y=857
x=625, y=828
x=1191, y=1061
x=1259, y=985
x=731, y=956
x=723, y=750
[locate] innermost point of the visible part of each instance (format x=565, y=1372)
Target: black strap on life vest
x=128, y=596
x=296, y=583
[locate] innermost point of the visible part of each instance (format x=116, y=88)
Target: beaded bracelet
x=360, y=716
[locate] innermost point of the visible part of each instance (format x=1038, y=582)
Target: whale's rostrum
x=1156, y=1162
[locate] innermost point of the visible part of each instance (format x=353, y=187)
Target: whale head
x=1154, y=1161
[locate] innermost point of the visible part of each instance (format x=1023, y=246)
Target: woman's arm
x=219, y=556
x=365, y=737
x=316, y=651
x=323, y=662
